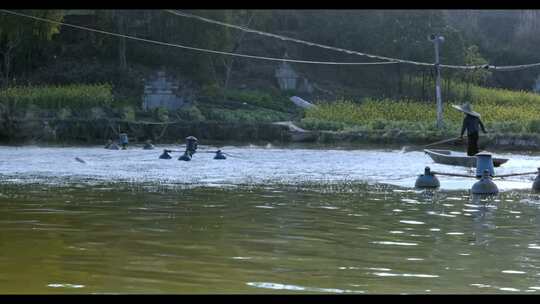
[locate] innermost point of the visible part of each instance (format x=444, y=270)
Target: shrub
x=191, y=113
x=162, y=114
x=534, y=126
x=378, y=124
x=127, y=113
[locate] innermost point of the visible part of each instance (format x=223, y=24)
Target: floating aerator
x=484, y=162
x=427, y=180
x=165, y=155
x=219, y=155
x=185, y=157
x=485, y=185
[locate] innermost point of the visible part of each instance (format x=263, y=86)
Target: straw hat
x=466, y=108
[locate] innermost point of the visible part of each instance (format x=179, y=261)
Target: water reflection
x=482, y=219
x=376, y=239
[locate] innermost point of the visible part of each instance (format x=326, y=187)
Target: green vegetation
x=95, y=101
x=76, y=96
x=69, y=73
x=246, y=116
x=234, y=98
x=191, y=113
x=240, y=106
x=260, y=99
x=502, y=111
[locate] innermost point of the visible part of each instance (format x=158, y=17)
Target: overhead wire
x=396, y=60
x=194, y=48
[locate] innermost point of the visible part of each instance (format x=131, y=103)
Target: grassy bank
x=70, y=112
x=503, y=111
x=506, y=114
x=97, y=101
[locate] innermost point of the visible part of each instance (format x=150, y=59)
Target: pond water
x=250, y=165
x=265, y=221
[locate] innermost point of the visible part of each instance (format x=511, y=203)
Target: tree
x=20, y=36
x=121, y=26
x=243, y=18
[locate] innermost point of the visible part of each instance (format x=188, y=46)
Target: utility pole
x=437, y=39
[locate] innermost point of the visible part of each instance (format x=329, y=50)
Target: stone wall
x=161, y=91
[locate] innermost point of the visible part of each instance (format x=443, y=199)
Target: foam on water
x=252, y=165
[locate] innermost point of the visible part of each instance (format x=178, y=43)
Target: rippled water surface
x=249, y=165
x=267, y=221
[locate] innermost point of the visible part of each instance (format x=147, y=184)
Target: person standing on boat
x=472, y=124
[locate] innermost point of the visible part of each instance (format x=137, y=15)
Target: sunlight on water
x=251, y=165
x=273, y=221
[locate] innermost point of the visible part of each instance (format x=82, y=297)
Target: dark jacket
x=472, y=124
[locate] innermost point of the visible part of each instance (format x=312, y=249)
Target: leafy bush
x=162, y=114
x=191, y=113
x=127, y=113
x=534, y=126
x=210, y=91
x=378, y=124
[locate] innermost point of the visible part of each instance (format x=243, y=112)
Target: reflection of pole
x=437, y=39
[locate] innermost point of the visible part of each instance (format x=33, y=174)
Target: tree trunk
x=228, y=69
x=447, y=86
x=423, y=85
x=409, y=85
x=213, y=70
x=400, y=80
x=7, y=66
x=7, y=58
x=229, y=66
x=122, y=40
x=450, y=89
x=122, y=53
x=469, y=88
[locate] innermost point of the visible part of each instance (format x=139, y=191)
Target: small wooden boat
x=452, y=158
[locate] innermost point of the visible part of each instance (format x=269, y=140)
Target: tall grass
x=75, y=96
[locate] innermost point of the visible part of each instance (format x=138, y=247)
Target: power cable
x=194, y=48
x=396, y=60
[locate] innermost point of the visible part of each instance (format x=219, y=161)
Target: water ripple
x=300, y=288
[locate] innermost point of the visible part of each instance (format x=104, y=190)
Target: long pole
x=438, y=84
